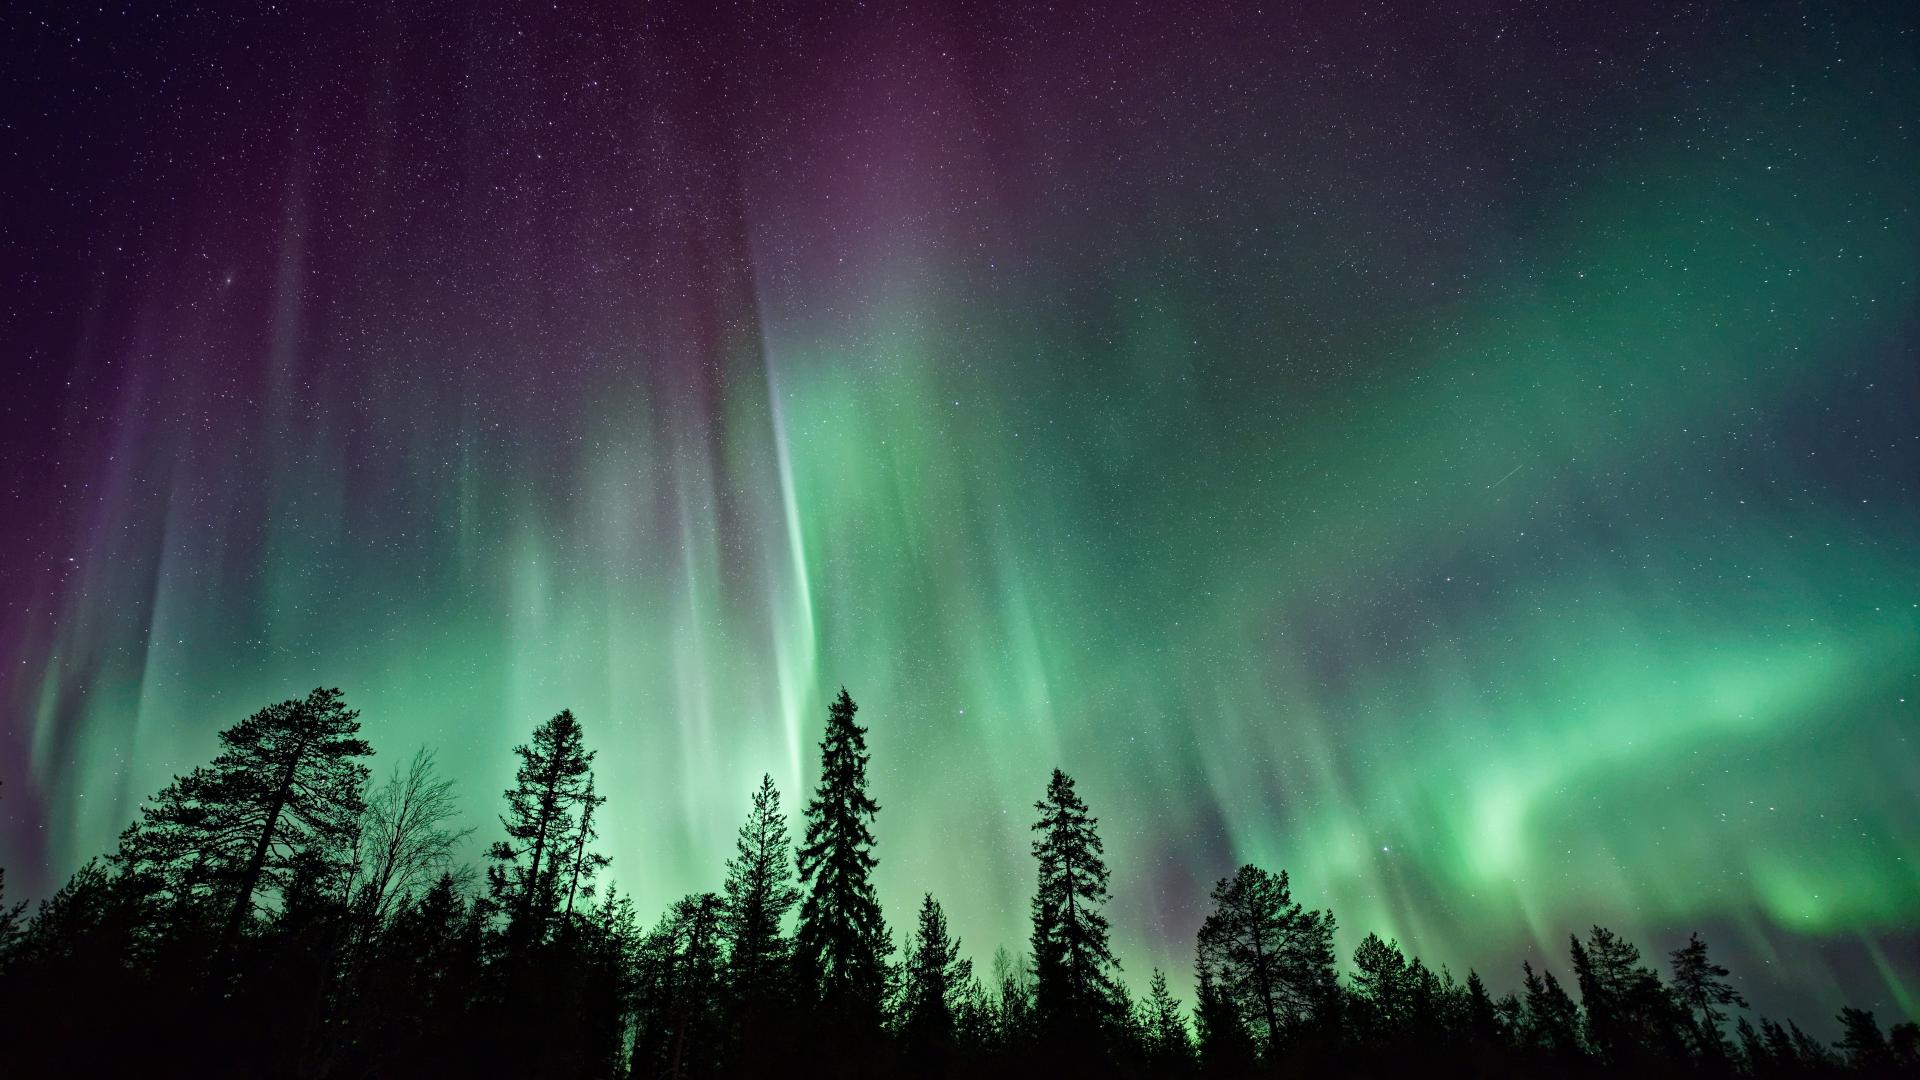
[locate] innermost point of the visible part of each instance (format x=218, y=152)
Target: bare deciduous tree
x=405, y=840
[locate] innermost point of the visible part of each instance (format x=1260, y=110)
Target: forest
x=280, y=911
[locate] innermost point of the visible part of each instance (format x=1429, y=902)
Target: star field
x=1465, y=457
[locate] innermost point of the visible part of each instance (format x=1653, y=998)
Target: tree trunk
x=257, y=863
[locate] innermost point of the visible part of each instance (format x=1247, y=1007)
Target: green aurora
x=1556, y=563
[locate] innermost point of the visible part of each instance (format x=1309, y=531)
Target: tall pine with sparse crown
x=1074, y=992
x=842, y=943
x=552, y=780
x=1701, y=987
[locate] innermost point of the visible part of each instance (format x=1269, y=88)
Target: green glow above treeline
x=1587, y=592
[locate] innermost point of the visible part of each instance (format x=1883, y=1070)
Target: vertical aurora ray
x=1482, y=486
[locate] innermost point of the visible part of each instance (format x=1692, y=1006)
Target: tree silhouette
x=582, y=862
x=1382, y=985
x=841, y=946
x=1481, y=1020
x=936, y=981
x=1552, y=1019
x=1903, y=1041
x=601, y=956
x=410, y=1005
x=1862, y=1045
x=1630, y=1017
x=1701, y=987
x=1169, y=1044
x=551, y=781
x=285, y=788
x=405, y=836
x=356, y=953
x=1271, y=959
x=1011, y=1008
x=1072, y=961
x=681, y=1023
x=1226, y=1048
x=759, y=894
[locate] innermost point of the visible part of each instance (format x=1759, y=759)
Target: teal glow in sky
x=1467, y=462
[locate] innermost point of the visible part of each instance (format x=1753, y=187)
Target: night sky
x=1466, y=458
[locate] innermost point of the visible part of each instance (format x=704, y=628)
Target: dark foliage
x=841, y=947
x=1078, y=1005
x=266, y=916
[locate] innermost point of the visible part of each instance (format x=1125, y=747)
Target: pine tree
x=842, y=943
x=1862, y=1044
x=285, y=788
x=1783, y=1051
x=1811, y=1054
x=1481, y=1016
x=1072, y=960
x=1754, y=1058
x=604, y=963
x=553, y=777
x=1553, y=1020
x=937, y=980
x=680, y=1026
x=583, y=862
x=83, y=944
x=1701, y=986
x=1381, y=984
x=1630, y=1016
x=1272, y=959
x=1169, y=1046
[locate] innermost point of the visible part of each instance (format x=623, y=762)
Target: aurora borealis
x=1467, y=460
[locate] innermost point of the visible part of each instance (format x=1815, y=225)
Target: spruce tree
x=759, y=893
x=841, y=945
x=1169, y=1046
x=1480, y=1016
x=1072, y=961
x=1553, y=1020
x=936, y=981
x=1271, y=958
x=553, y=777
x=285, y=790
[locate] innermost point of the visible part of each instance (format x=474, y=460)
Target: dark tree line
x=277, y=912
